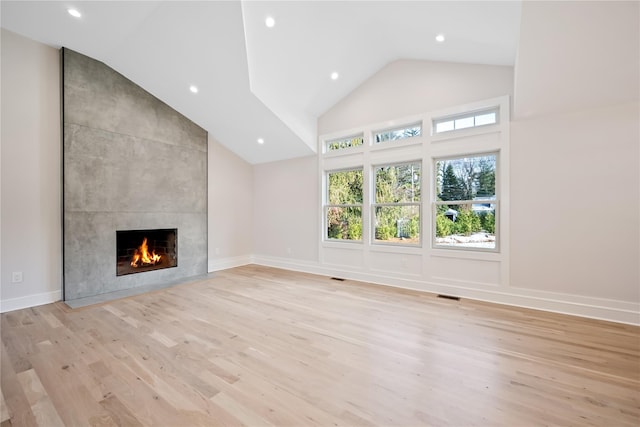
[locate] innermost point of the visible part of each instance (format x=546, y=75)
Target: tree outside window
x=465, y=207
x=343, y=211
x=396, y=207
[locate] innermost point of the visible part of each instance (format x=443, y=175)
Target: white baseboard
x=225, y=263
x=576, y=305
x=30, y=301
x=596, y=308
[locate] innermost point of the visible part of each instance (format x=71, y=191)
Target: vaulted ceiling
x=259, y=82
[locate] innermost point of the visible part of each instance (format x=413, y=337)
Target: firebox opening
x=138, y=251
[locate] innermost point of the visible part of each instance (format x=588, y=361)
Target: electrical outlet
x=16, y=277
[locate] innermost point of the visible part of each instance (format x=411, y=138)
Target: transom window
x=466, y=202
x=396, y=207
x=343, y=210
x=466, y=120
x=343, y=143
x=395, y=134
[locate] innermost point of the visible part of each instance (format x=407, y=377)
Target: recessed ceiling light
x=193, y=89
x=74, y=13
x=269, y=22
x=440, y=38
x=260, y=141
x=334, y=76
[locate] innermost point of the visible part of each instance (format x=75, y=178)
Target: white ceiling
x=258, y=82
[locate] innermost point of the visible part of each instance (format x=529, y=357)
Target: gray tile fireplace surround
x=130, y=162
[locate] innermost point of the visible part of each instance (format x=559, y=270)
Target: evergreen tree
x=345, y=187
x=467, y=177
x=486, y=178
x=409, y=183
x=452, y=187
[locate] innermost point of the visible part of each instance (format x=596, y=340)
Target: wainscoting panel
x=465, y=272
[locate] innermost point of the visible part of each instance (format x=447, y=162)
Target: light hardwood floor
x=258, y=346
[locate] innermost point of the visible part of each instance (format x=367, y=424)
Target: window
x=342, y=143
x=372, y=200
x=466, y=120
x=398, y=133
x=396, y=207
x=343, y=210
x=465, y=208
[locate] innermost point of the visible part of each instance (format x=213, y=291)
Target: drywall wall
x=575, y=221
x=575, y=203
x=230, y=212
x=31, y=197
x=286, y=209
x=407, y=87
x=576, y=55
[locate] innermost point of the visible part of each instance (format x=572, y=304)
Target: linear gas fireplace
x=138, y=251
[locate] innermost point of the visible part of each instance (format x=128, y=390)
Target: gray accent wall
x=129, y=162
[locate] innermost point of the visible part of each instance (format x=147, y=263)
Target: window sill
x=397, y=249
x=355, y=245
x=464, y=253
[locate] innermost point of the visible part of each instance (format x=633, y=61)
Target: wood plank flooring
x=258, y=346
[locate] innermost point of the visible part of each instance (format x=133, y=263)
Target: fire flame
x=142, y=256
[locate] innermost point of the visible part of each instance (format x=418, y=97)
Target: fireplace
x=138, y=251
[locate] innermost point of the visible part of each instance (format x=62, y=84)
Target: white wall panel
x=396, y=264
x=230, y=208
x=31, y=173
x=351, y=258
x=464, y=272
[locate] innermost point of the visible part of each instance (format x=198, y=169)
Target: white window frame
x=327, y=205
x=477, y=140
x=327, y=143
x=404, y=127
x=374, y=204
x=494, y=201
x=464, y=116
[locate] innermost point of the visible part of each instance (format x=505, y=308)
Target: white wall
x=575, y=224
x=408, y=87
x=230, y=208
x=575, y=203
x=286, y=211
x=576, y=55
x=31, y=177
